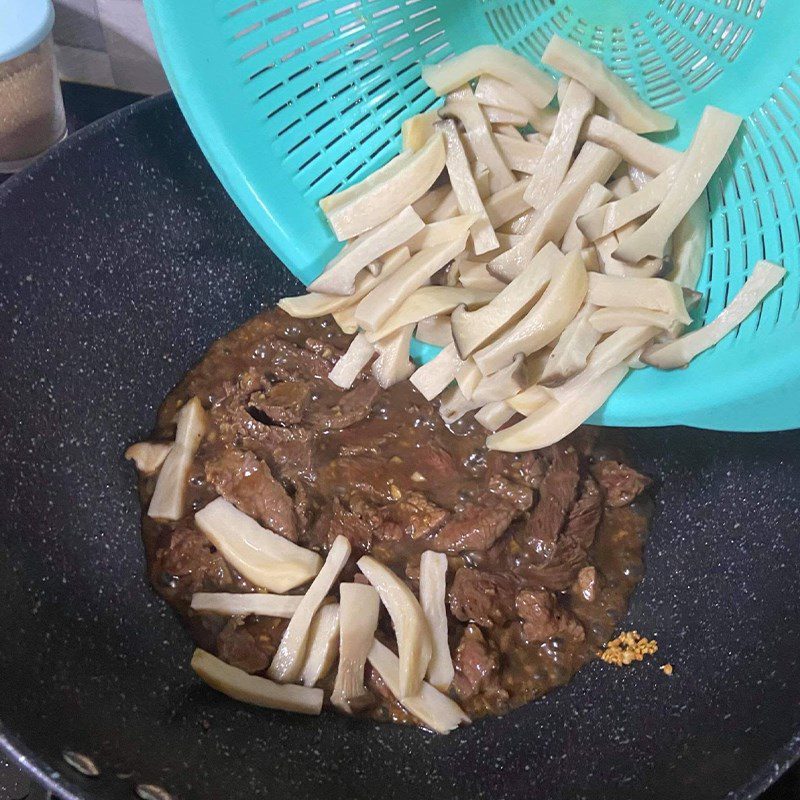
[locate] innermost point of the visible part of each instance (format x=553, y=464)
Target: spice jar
x=31, y=106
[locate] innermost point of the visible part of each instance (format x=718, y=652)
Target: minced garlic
x=627, y=648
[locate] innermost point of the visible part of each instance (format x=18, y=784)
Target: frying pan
x=121, y=259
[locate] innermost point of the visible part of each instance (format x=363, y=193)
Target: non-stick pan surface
x=121, y=259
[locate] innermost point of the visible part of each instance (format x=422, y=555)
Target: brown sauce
x=544, y=548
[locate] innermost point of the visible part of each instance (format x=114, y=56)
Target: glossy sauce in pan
x=544, y=549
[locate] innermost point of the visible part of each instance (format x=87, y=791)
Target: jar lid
x=25, y=23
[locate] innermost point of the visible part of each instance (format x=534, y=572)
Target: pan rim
x=59, y=780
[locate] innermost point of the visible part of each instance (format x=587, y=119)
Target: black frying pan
x=121, y=259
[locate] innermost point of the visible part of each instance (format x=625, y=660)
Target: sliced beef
x=526, y=469
x=486, y=598
x=364, y=474
x=556, y=496
x=251, y=644
x=246, y=481
x=337, y=520
x=477, y=526
x=517, y=495
x=413, y=515
x=348, y=408
x=288, y=361
x=187, y=563
x=476, y=663
x=435, y=463
x=570, y=551
x=281, y=403
x=543, y=617
x=287, y=451
x=621, y=484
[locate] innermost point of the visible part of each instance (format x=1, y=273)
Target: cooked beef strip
x=486, y=598
x=246, y=481
x=621, y=483
x=534, y=552
x=282, y=403
x=543, y=617
x=476, y=663
x=556, y=496
x=477, y=526
x=250, y=644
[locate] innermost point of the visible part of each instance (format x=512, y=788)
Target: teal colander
x=293, y=99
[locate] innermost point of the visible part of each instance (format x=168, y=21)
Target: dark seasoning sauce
x=544, y=549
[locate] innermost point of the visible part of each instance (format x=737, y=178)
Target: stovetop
x=84, y=104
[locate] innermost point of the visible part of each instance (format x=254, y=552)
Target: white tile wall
x=107, y=43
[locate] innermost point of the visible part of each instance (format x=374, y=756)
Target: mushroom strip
x=237, y=684
x=638, y=151
x=611, y=352
x=689, y=245
x=471, y=329
x=574, y=238
x=544, y=322
x=263, y=605
x=480, y=137
x=553, y=421
x=169, y=496
x=432, y=199
x=475, y=275
x=447, y=209
x=435, y=331
x=323, y=645
x=654, y=293
x=410, y=626
x=606, y=320
x=552, y=168
x=288, y=660
x=442, y=232
x=382, y=301
x=415, y=131
x=315, y=304
x=493, y=93
x=500, y=385
x=519, y=154
x=385, y=192
x=428, y=302
x=508, y=203
x=494, y=415
x=468, y=377
x=358, y=619
x=433, y=378
x=766, y=276
x=606, y=248
x=340, y=273
x=594, y=164
x=347, y=368
x=628, y=108
x=711, y=141
x=432, y=708
x=612, y=216
x=149, y=456
x=532, y=399
x=466, y=191
x=537, y=86
x=572, y=349
x=264, y=558
x=502, y=116
x=346, y=319
x=393, y=363
x=432, y=597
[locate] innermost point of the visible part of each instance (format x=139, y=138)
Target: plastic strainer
x=293, y=99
